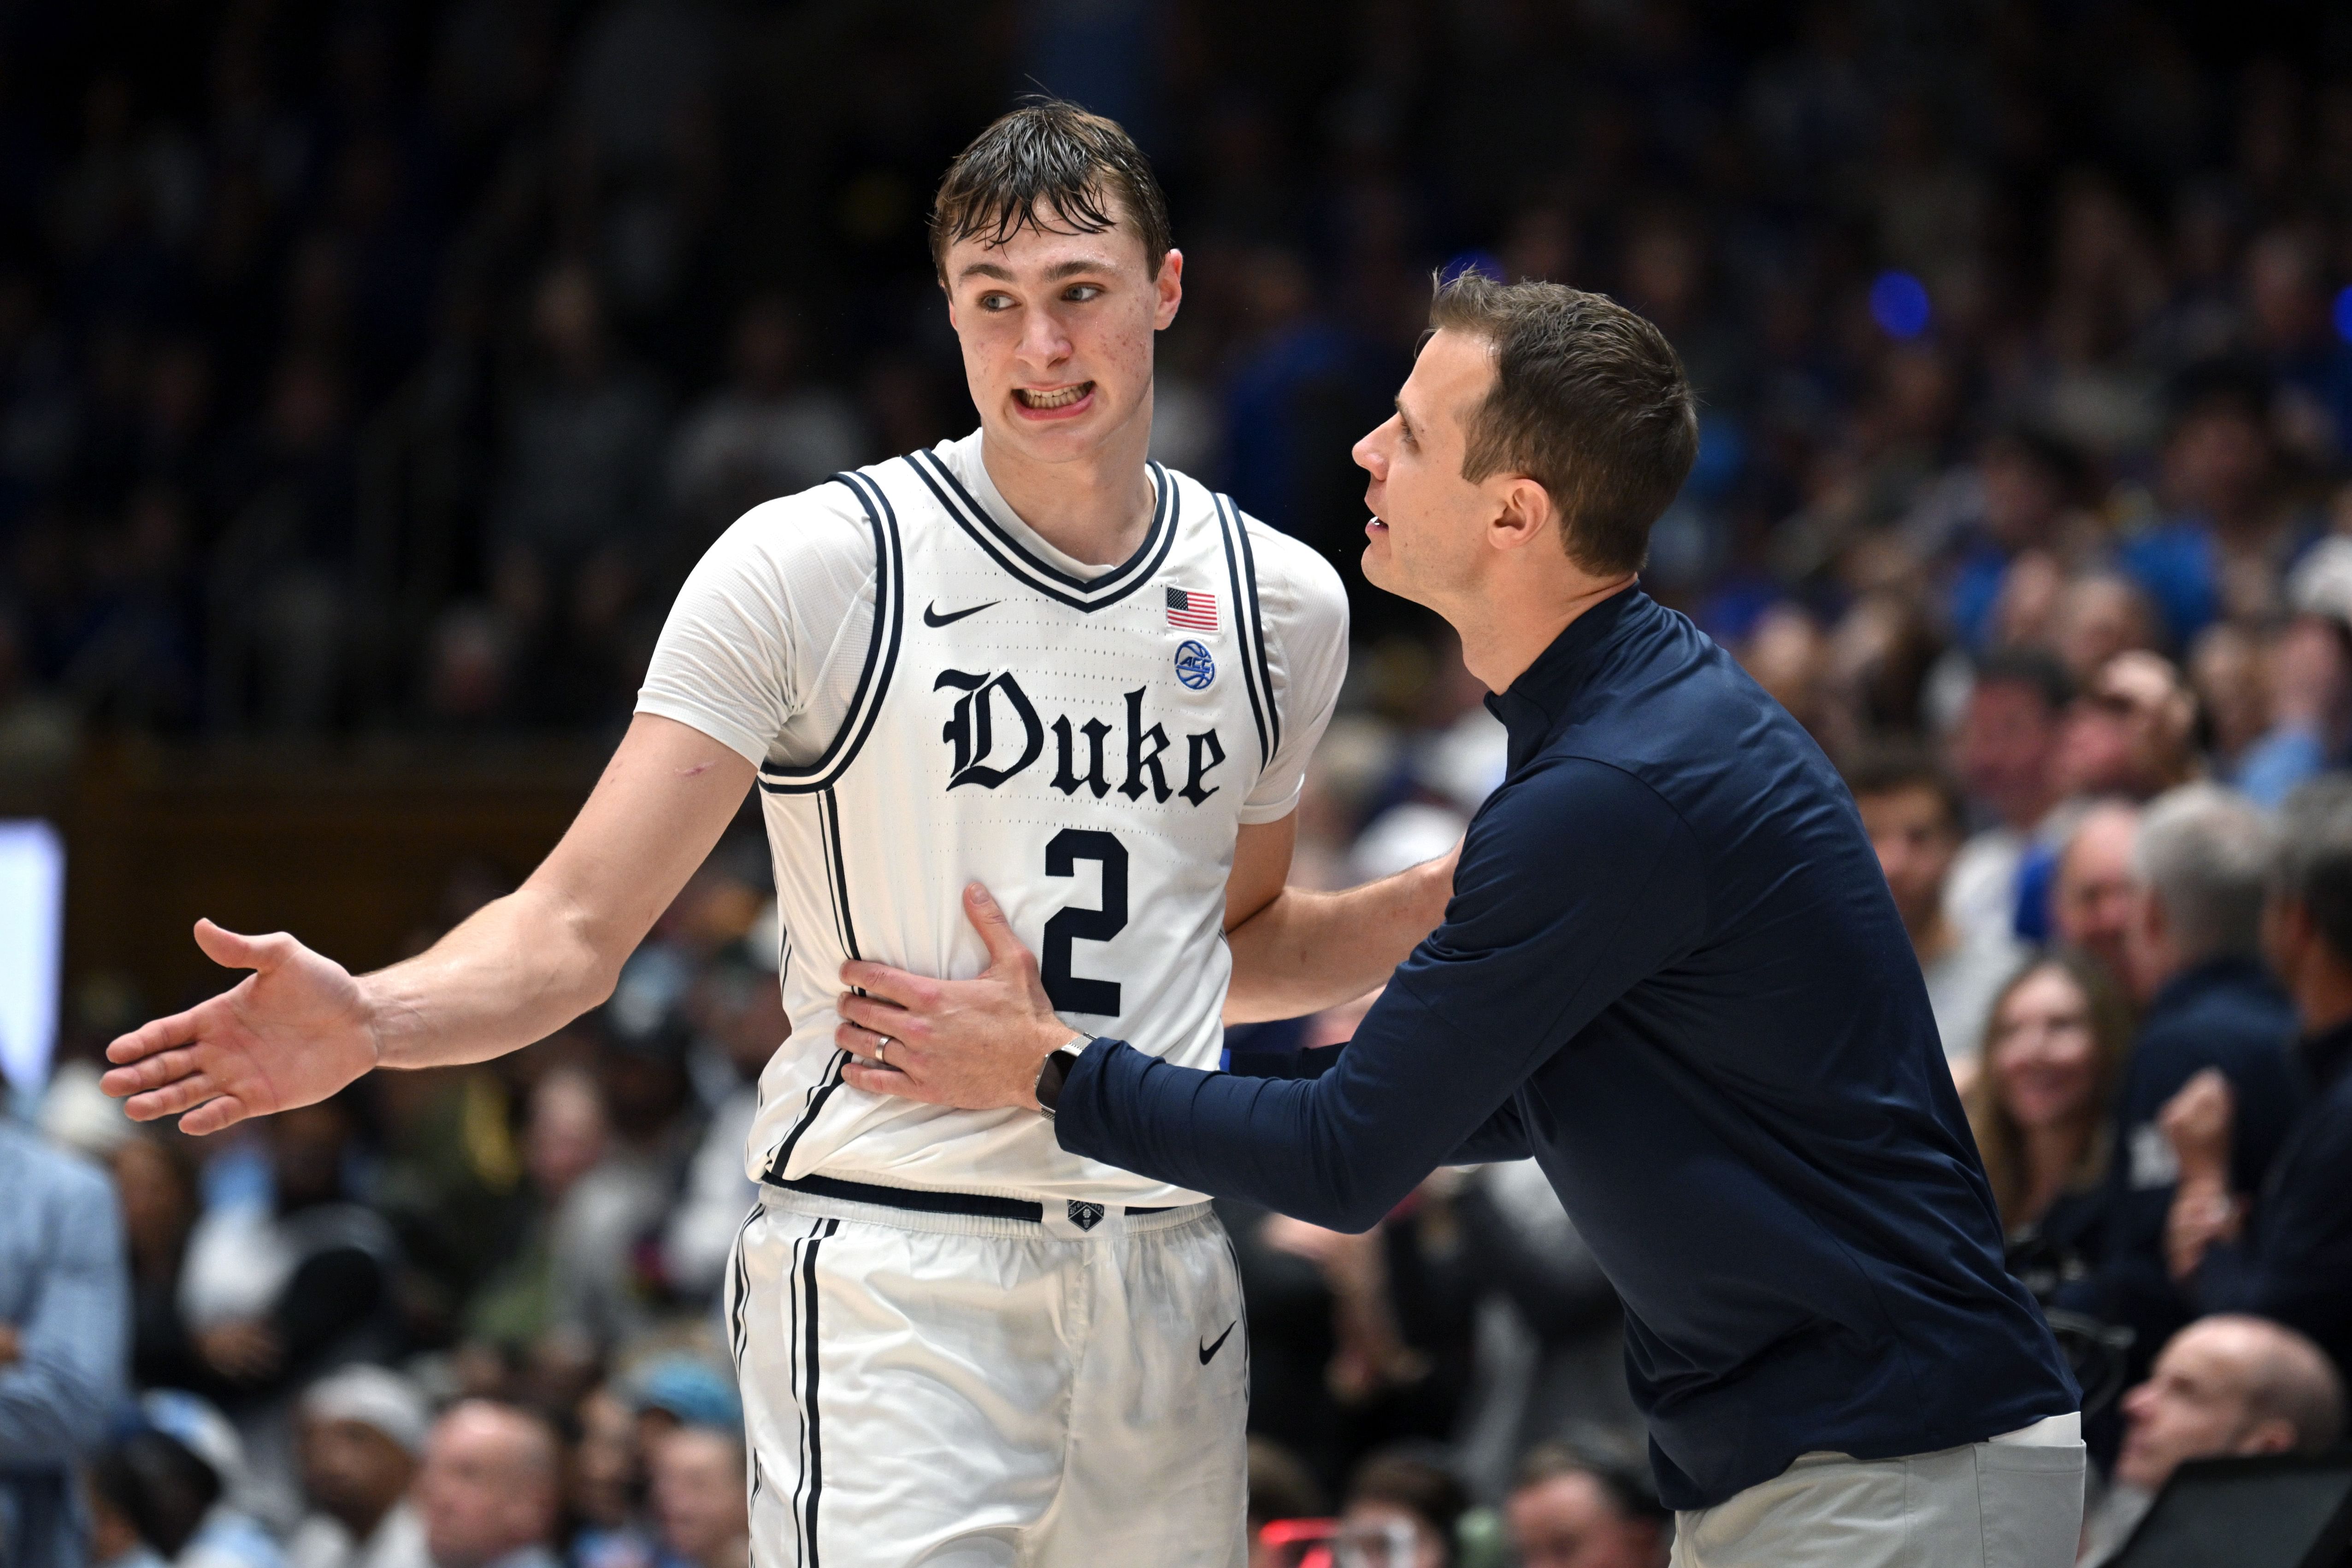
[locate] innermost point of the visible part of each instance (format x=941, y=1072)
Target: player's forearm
x=1306, y=951
x=519, y=969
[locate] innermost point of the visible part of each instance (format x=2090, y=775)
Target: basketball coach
x=1670, y=972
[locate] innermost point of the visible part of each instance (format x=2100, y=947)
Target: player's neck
x=1094, y=508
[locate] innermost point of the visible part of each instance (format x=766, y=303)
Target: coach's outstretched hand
x=291, y=1033
x=974, y=1043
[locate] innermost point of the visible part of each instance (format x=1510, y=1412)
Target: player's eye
x=995, y=301
x=1080, y=293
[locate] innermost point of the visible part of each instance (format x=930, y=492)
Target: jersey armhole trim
x=881, y=651
x=1242, y=568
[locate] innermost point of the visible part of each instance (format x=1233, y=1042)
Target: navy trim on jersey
x=1228, y=523
x=1257, y=627
x=881, y=651
x=813, y=1437
x=1000, y=546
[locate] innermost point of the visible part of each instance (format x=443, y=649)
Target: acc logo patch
x=1194, y=668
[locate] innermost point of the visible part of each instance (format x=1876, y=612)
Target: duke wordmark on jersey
x=983, y=756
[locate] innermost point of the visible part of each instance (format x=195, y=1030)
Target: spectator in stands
x=2283, y=1251
x=1403, y=1506
x=487, y=1489
x=2042, y=1109
x=156, y=1181
x=2132, y=732
x=1279, y=1487
x=606, y=1483
x=2004, y=752
x=699, y=1498
x=2223, y=1386
x=1569, y=1510
x=1517, y=1239
x=767, y=434
x=2091, y=902
x=1913, y=814
x=290, y=1282
x=362, y=1431
x=2200, y=867
x=65, y=1338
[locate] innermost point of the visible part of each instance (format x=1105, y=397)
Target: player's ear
x=1170, y=283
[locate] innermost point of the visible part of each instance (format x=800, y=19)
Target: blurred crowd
x=372, y=366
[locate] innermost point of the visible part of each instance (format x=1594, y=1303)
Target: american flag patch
x=1191, y=608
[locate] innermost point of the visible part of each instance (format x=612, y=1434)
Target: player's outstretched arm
x=301, y=1026
x=1296, y=951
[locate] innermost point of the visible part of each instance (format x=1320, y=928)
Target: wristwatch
x=1054, y=1071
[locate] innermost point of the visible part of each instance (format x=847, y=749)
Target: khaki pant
x=1986, y=1505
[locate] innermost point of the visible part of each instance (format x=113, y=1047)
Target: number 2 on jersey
x=1071, y=993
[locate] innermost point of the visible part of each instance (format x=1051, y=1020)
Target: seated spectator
x=767, y=434
x=361, y=1432
x=157, y=1183
x=2132, y=732
x=2283, y=1251
x=214, y=1479
x=2003, y=752
x=1570, y=1511
x=2201, y=867
x=1913, y=814
x=276, y=1291
x=699, y=1498
x=2040, y=1110
x=607, y=1483
x=1518, y=1241
x=1402, y=1512
x=64, y=1336
x=489, y=1488
x=2091, y=902
x=574, y=1274
x=2223, y=1386
x=2311, y=708
x=1279, y=1487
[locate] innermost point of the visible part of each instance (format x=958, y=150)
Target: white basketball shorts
x=977, y=1390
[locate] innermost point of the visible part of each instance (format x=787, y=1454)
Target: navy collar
x=1532, y=706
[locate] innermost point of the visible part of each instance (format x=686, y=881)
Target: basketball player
x=1029, y=657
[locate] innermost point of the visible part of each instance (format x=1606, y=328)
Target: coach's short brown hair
x=1589, y=401
x=1048, y=163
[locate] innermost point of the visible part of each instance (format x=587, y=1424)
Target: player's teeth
x=1068, y=394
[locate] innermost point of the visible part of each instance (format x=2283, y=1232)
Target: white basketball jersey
x=1083, y=747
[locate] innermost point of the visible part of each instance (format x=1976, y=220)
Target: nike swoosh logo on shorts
x=931, y=616
x=1208, y=1352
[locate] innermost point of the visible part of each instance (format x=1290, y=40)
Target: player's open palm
x=291, y=1033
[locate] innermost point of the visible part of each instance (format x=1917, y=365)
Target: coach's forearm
x=519, y=969
x=1306, y=951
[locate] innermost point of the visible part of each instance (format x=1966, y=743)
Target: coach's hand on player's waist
x=974, y=1043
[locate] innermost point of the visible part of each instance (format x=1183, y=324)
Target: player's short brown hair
x=1589, y=401
x=1049, y=163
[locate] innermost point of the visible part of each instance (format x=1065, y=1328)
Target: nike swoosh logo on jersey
x=931, y=616
x=1208, y=1352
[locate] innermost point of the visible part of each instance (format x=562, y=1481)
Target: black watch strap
x=1051, y=1076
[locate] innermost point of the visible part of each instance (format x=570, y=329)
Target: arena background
x=370, y=375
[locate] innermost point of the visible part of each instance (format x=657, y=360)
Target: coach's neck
x=1523, y=593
